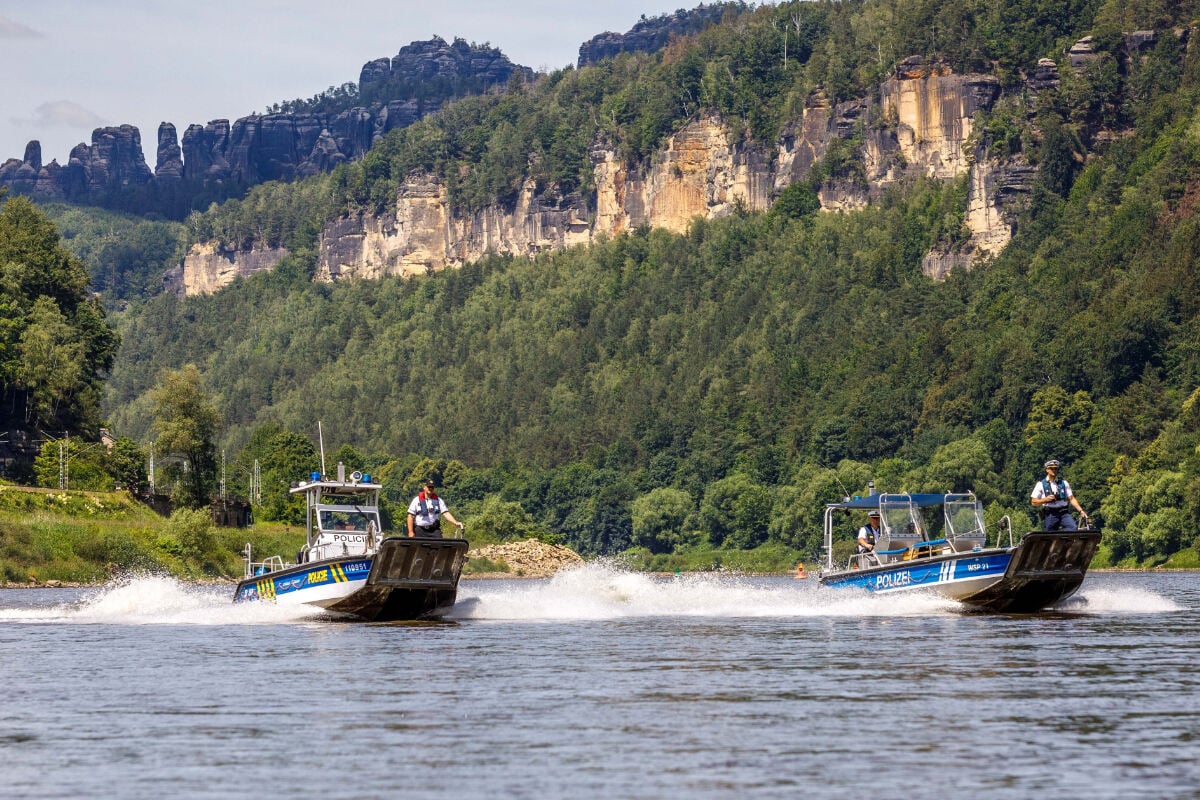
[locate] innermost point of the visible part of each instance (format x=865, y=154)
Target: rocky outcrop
x=169, y=166
x=649, y=35
x=210, y=266
x=932, y=110
x=268, y=147
x=424, y=235
x=920, y=124
x=434, y=60
x=111, y=164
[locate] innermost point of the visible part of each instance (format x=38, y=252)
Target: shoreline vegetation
x=54, y=538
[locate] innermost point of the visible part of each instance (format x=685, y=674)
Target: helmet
x=1052, y=463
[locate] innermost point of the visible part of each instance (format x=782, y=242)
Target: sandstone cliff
x=920, y=123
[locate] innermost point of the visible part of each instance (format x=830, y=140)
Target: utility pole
x=256, y=485
x=152, y=469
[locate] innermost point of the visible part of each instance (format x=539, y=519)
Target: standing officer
x=1053, y=498
x=425, y=513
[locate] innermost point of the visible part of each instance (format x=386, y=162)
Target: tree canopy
x=56, y=346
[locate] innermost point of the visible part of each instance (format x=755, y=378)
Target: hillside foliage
x=712, y=389
x=55, y=343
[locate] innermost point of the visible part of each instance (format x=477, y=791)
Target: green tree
x=658, y=519
x=286, y=457
x=1058, y=423
x=736, y=512
x=55, y=343
x=126, y=463
x=187, y=424
x=79, y=461
x=52, y=361
x=500, y=520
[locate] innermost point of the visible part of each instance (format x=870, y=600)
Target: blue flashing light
x=314, y=476
x=366, y=478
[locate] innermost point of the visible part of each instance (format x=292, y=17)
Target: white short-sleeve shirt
x=434, y=508
x=1039, y=489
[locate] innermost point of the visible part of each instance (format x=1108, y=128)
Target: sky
x=71, y=66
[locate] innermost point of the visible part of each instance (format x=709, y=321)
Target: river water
x=600, y=683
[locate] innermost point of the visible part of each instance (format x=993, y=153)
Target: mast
x=321, y=440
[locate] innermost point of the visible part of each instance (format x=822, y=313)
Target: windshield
x=347, y=521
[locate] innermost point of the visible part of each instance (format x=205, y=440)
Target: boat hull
x=408, y=578
x=1046, y=568
x=1043, y=569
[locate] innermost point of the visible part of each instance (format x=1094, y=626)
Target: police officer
x=1053, y=498
x=426, y=512
x=868, y=533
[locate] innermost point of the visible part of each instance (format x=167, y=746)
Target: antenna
x=321, y=440
x=845, y=493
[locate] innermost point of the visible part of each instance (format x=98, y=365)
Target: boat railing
x=267, y=565
x=1005, y=526
x=863, y=560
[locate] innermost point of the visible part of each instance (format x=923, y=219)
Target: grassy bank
x=87, y=537
x=1188, y=558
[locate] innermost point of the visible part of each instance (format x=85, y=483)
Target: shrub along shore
x=65, y=538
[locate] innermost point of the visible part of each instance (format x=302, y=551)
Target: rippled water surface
x=604, y=684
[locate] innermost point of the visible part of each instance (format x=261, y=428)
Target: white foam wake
x=595, y=591
x=153, y=600
x=599, y=591
x=603, y=591
x=1118, y=600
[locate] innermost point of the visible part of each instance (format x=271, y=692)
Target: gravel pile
x=530, y=558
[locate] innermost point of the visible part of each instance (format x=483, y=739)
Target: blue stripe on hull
x=909, y=575
x=268, y=587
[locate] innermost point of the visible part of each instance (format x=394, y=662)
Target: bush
x=193, y=529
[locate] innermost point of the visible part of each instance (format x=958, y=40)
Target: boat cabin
x=910, y=526
x=342, y=516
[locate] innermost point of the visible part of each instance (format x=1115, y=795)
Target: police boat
x=348, y=568
x=953, y=555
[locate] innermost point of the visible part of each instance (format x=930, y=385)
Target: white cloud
x=62, y=114
x=11, y=29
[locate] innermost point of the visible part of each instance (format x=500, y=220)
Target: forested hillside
x=715, y=387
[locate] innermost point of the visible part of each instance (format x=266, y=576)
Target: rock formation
x=169, y=166
x=649, y=35
x=210, y=266
x=269, y=147
x=921, y=123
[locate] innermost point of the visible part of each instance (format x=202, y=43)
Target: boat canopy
x=871, y=501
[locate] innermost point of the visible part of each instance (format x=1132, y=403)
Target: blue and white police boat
x=953, y=556
x=348, y=568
